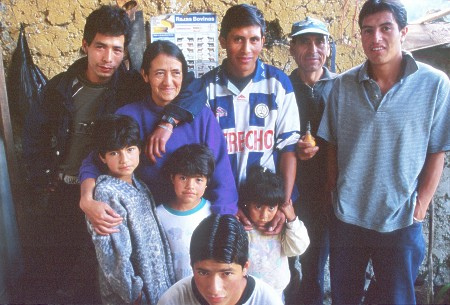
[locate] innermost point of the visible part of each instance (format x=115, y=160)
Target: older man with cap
x=312, y=82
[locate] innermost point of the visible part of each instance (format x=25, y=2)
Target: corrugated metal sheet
x=428, y=32
x=421, y=36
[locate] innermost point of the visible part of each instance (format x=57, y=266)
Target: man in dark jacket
x=57, y=134
x=312, y=82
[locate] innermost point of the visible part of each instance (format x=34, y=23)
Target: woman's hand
x=156, y=141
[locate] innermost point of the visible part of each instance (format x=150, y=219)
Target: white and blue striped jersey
x=259, y=122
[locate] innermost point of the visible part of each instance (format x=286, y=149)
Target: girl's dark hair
x=113, y=132
x=163, y=47
x=191, y=160
x=221, y=238
x=108, y=20
x=242, y=15
x=261, y=186
x=397, y=9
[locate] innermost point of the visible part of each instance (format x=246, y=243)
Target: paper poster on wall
x=195, y=34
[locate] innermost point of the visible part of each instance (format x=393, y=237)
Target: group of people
x=191, y=187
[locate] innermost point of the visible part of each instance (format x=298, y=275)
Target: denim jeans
x=396, y=257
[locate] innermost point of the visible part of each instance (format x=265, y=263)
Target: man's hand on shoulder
x=288, y=210
x=275, y=226
x=244, y=220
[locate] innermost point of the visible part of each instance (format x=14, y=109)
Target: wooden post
x=430, y=290
x=7, y=134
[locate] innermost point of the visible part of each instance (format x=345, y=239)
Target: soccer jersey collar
x=223, y=78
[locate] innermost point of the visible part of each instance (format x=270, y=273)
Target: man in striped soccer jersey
x=253, y=102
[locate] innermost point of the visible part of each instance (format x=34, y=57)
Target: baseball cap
x=309, y=25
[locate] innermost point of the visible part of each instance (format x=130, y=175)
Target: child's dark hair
x=107, y=20
x=191, y=160
x=261, y=186
x=113, y=132
x=221, y=238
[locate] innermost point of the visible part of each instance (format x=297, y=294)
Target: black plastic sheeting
x=138, y=41
x=25, y=79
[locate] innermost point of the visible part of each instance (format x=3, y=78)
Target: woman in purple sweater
x=164, y=68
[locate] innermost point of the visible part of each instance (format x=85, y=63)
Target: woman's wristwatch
x=168, y=119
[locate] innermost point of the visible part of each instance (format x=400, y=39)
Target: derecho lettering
x=253, y=140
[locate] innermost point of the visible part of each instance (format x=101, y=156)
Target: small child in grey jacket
x=135, y=264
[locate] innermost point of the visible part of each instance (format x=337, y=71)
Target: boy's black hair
x=261, y=186
x=113, y=132
x=397, y=9
x=242, y=15
x=191, y=160
x=107, y=20
x=221, y=238
x=163, y=47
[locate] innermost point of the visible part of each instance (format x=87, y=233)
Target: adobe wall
x=54, y=28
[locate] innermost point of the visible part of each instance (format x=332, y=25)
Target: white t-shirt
x=182, y=293
x=268, y=254
x=179, y=226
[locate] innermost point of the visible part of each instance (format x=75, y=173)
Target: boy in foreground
x=219, y=259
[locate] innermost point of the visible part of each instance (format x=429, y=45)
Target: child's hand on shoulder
x=288, y=209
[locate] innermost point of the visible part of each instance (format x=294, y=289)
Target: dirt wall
x=54, y=28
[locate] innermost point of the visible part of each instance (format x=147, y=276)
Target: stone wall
x=54, y=33
x=439, y=58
